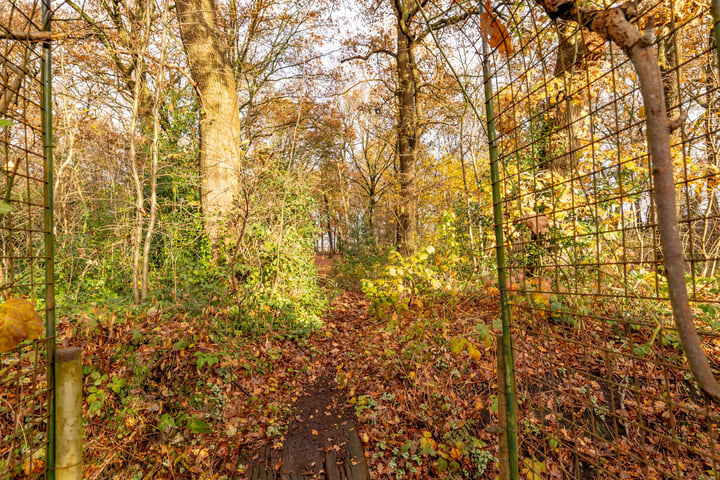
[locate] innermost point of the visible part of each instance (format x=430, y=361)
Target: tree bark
x=576, y=50
x=407, y=138
x=220, y=159
x=669, y=58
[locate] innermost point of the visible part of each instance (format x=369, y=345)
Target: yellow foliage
x=427, y=442
x=458, y=345
x=474, y=353
x=532, y=469
x=455, y=453
x=18, y=321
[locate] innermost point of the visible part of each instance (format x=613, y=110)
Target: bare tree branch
x=370, y=54
x=450, y=21
x=40, y=36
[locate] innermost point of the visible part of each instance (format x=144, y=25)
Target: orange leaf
x=18, y=321
x=455, y=453
x=494, y=31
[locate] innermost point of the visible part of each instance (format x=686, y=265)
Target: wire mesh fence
x=604, y=390
x=25, y=379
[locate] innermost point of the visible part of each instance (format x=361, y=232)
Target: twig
x=241, y=388
x=40, y=36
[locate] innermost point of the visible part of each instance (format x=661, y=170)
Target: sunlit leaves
x=18, y=322
x=533, y=469
x=459, y=345
x=494, y=31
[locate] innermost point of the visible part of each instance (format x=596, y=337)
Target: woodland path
x=322, y=441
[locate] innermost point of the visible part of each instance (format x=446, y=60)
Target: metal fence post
x=49, y=227
x=508, y=362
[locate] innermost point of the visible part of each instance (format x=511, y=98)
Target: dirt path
x=322, y=441
x=422, y=409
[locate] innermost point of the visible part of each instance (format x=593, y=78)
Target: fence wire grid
x=604, y=389
x=25, y=380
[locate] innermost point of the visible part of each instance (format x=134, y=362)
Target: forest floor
x=169, y=395
x=177, y=394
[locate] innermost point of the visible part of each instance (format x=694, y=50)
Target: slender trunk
x=371, y=218
x=139, y=199
x=465, y=188
x=153, y=206
x=135, y=161
x=344, y=197
x=328, y=225
x=159, y=83
x=669, y=57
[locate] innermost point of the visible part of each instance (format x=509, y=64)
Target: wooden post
x=503, y=453
x=68, y=397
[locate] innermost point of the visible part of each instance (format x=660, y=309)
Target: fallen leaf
x=495, y=32
x=18, y=322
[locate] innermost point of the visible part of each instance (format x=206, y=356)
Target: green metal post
x=49, y=236
x=507, y=350
x=716, y=30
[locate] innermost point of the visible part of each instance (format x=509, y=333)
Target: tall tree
x=220, y=158
x=411, y=31
x=578, y=50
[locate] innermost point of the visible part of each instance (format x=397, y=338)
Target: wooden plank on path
x=356, y=456
x=346, y=463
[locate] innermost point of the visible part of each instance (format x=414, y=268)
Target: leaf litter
x=421, y=388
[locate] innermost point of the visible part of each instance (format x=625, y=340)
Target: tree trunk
x=139, y=203
x=154, y=164
x=139, y=73
x=669, y=57
x=371, y=220
x=220, y=159
x=577, y=51
x=155, y=160
x=668, y=60
x=407, y=141
x=468, y=214
x=328, y=226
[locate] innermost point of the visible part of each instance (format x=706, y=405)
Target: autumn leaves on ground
x=196, y=394
x=180, y=395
